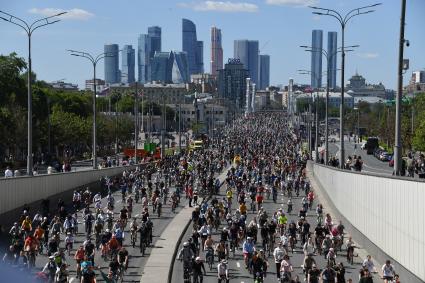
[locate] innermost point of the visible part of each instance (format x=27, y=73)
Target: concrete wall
x=15, y=192
x=390, y=212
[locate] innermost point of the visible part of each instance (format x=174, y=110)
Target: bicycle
x=210, y=257
x=133, y=237
x=187, y=272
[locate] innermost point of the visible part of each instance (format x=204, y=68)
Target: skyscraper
x=112, y=72
x=232, y=82
x=192, y=47
x=264, y=76
x=216, y=51
x=247, y=52
x=127, y=64
x=170, y=67
x=316, y=58
x=332, y=57
x=147, y=46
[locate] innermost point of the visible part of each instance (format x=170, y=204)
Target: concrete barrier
x=389, y=211
x=15, y=192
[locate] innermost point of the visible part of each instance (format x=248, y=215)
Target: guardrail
x=389, y=211
x=17, y=191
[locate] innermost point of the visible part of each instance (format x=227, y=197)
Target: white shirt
x=8, y=173
x=278, y=254
x=388, y=270
x=369, y=265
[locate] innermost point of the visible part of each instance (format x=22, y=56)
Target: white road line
x=238, y=264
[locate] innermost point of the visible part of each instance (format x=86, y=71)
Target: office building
x=216, y=51
x=148, y=44
x=247, y=52
x=127, y=65
x=316, y=58
x=180, y=69
x=359, y=88
x=232, y=82
x=112, y=72
x=264, y=76
x=332, y=57
x=100, y=85
x=170, y=67
x=192, y=47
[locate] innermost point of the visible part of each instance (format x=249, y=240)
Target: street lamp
x=94, y=60
x=328, y=60
x=29, y=29
x=343, y=20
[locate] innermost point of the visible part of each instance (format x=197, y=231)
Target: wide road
x=370, y=163
x=237, y=267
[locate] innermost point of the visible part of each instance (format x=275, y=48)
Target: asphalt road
x=236, y=265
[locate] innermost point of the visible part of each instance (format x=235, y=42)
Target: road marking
x=72, y=279
x=238, y=264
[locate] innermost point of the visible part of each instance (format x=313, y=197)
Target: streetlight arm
x=42, y=25
x=46, y=19
x=329, y=12
x=358, y=14
x=14, y=17
x=19, y=25
x=348, y=15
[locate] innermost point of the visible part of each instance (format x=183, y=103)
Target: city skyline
x=316, y=58
x=89, y=25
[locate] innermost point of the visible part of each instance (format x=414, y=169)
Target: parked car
x=377, y=152
x=384, y=156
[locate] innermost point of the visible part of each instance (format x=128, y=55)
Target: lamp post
x=94, y=61
x=29, y=29
x=397, y=140
x=343, y=20
x=328, y=62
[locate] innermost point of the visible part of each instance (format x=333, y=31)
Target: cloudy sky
x=280, y=26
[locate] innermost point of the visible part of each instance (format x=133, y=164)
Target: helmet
x=198, y=259
x=185, y=244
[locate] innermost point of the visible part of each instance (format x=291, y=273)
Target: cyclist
x=223, y=272
x=258, y=266
x=248, y=251
x=197, y=267
x=114, y=267
x=62, y=274
x=186, y=254
x=79, y=257
x=388, y=272
x=278, y=254
x=123, y=258
x=285, y=268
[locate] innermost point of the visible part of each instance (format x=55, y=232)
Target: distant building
x=100, y=85
x=112, y=72
x=358, y=87
x=148, y=44
x=332, y=57
x=247, y=52
x=128, y=65
x=264, y=76
x=216, y=51
x=316, y=58
x=61, y=85
x=417, y=83
x=232, y=82
x=204, y=83
x=170, y=67
x=334, y=99
x=192, y=47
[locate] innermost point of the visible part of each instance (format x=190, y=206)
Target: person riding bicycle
x=123, y=257
x=119, y=235
x=350, y=247
x=278, y=254
x=197, y=268
x=114, y=266
x=221, y=250
x=258, y=266
x=114, y=244
x=308, y=264
x=62, y=274
x=223, y=272
x=248, y=249
x=186, y=254
x=79, y=257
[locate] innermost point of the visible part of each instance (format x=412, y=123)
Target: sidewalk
x=161, y=258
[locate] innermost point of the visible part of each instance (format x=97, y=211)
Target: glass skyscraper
x=170, y=67
x=332, y=57
x=112, y=72
x=232, y=82
x=264, y=76
x=316, y=58
x=216, y=51
x=192, y=47
x=148, y=44
x=127, y=64
x=247, y=52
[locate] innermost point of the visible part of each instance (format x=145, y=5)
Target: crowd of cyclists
x=252, y=214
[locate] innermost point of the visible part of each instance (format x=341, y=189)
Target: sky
x=281, y=26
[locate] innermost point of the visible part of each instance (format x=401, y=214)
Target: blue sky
x=280, y=26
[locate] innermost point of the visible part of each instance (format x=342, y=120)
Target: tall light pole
x=29, y=29
x=343, y=20
x=397, y=146
x=94, y=60
x=328, y=60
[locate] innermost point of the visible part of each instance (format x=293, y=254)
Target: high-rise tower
x=216, y=51
x=192, y=47
x=127, y=64
x=112, y=72
x=332, y=57
x=247, y=52
x=316, y=58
